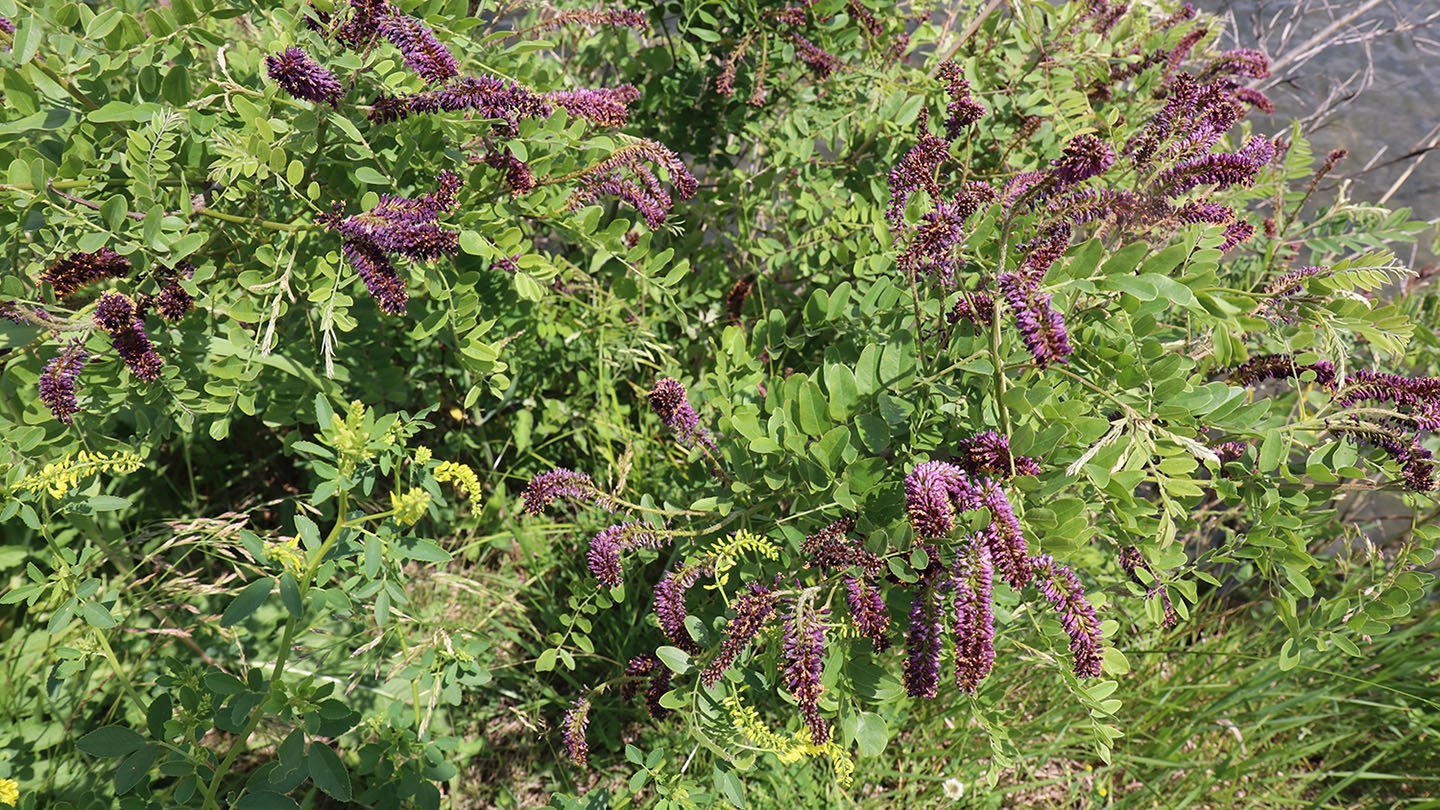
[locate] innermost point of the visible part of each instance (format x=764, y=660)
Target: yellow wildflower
x=422, y=456
x=411, y=506
x=465, y=479
x=9, y=792
x=59, y=477
x=287, y=553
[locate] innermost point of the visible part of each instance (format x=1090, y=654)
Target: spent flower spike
x=57, y=381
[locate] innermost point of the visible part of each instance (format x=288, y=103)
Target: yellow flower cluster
x=727, y=553
x=788, y=749
x=287, y=553
x=422, y=456
x=9, y=792
x=411, y=506
x=465, y=479
x=59, y=477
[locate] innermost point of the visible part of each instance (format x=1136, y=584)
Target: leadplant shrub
x=808, y=361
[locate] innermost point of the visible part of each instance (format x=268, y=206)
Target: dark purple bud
x=962, y=110
x=1245, y=62
x=976, y=307
x=916, y=172
x=639, y=667
x=612, y=17
x=117, y=315
x=57, y=381
x=832, y=548
x=517, y=172
x=1417, y=397
x=79, y=270
x=627, y=174
x=821, y=62
x=1220, y=170
x=753, y=611
x=1086, y=156
x=173, y=302
x=735, y=299
x=1280, y=366
x=302, y=77
x=380, y=277
x=423, y=53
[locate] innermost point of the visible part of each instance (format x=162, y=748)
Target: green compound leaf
x=247, y=602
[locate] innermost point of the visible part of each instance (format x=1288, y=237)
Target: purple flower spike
x=803, y=662
x=605, y=547
x=1042, y=327
x=974, y=632
x=606, y=107
x=1245, y=62
x=423, y=53
x=116, y=314
x=1280, y=366
x=752, y=612
x=302, y=77
x=628, y=174
x=79, y=270
x=57, y=381
x=517, y=172
x=832, y=548
x=1067, y=596
x=572, y=731
x=922, y=645
x=820, y=61
x=916, y=172
x=867, y=609
x=1003, y=537
x=670, y=604
x=671, y=403
x=932, y=490
x=380, y=277
x=173, y=302
x=962, y=110
x=1086, y=156
x=546, y=488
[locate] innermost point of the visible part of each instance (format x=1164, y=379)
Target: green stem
x=263, y=223
x=287, y=640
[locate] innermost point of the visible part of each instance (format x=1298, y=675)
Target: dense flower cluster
x=923, y=644
x=753, y=611
x=1086, y=156
x=803, y=662
x=670, y=603
x=116, y=314
x=57, y=381
x=504, y=102
x=627, y=174
x=546, y=488
x=1418, y=398
x=831, y=547
x=934, y=491
x=603, y=557
x=972, y=582
x=397, y=226
x=612, y=17
x=302, y=77
x=961, y=111
x=735, y=299
x=572, y=730
x=1220, y=170
x=79, y=270
x=1042, y=327
x=422, y=52
x=605, y=106
x=1062, y=588
x=868, y=611
x=671, y=403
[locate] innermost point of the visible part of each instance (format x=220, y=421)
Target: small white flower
x=954, y=789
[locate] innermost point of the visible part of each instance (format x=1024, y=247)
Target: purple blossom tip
x=1086, y=156
x=972, y=580
x=118, y=316
x=1065, y=593
x=753, y=611
x=671, y=403
x=603, y=557
x=1042, y=327
x=802, y=664
x=302, y=77
x=932, y=491
x=79, y=270
x=868, y=611
x=647, y=664
x=57, y=381
x=545, y=488
x=988, y=453
x=572, y=731
x=606, y=107
x=423, y=53
x=922, y=645
x=670, y=603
